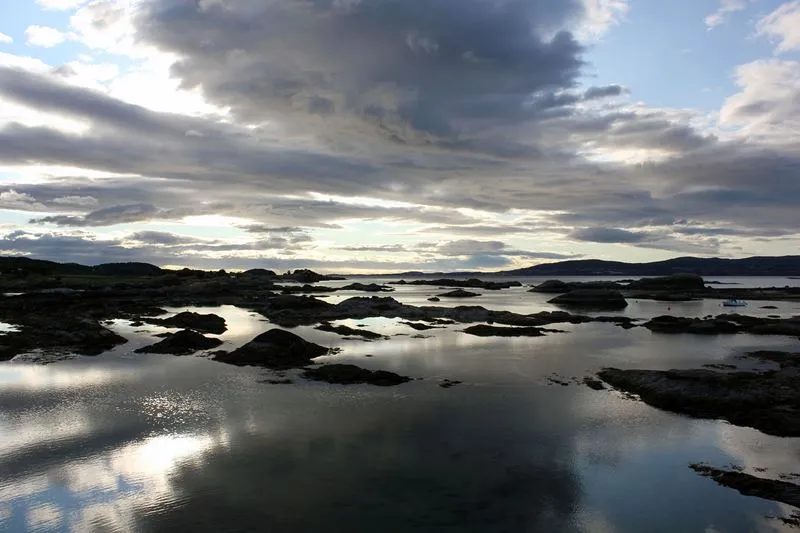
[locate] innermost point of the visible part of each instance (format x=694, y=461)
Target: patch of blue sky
x=668, y=57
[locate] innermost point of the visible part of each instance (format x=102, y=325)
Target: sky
x=392, y=135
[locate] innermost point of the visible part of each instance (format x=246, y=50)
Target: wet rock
x=769, y=307
x=209, y=323
x=346, y=331
x=459, y=293
x=448, y=383
x=82, y=336
x=768, y=489
x=344, y=374
x=767, y=401
x=593, y=383
x=434, y=299
x=372, y=287
x=484, y=330
x=184, y=342
x=277, y=349
x=726, y=323
x=592, y=299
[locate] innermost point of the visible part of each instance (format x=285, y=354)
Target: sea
x=125, y=442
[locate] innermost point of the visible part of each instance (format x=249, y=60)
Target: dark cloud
x=610, y=235
x=120, y=214
x=415, y=70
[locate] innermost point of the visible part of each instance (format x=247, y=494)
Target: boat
x=733, y=302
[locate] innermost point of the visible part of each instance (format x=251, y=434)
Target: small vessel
x=733, y=302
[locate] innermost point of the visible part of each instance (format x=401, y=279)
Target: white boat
x=733, y=302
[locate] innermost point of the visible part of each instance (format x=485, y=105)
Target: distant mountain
x=26, y=266
x=752, y=266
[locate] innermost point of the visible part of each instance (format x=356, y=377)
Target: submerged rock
x=592, y=298
x=768, y=489
x=277, y=349
x=484, y=330
x=184, y=342
x=344, y=374
x=459, y=293
x=208, y=323
x=346, y=331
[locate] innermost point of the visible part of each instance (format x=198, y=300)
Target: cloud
x=782, y=25
x=726, y=7
x=43, y=36
x=161, y=238
x=5, y=39
x=119, y=214
x=610, y=235
x=60, y=5
x=12, y=199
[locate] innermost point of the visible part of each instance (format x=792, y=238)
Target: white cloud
x=726, y=7
x=783, y=25
x=767, y=108
x=43, y=36
x=5, y=39
x=600, y=16
x=60, y=5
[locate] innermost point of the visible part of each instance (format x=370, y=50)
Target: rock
x=592, y=298
x=593, y=383
x=344, y=374
x=483, y=330
x=346, y=331
x=184, y=342
x=259, y=273
x=459, y=293
x=768, y=489
x=675, y=282
x=372, y=287
x=419, y=326
x=82, y=336
x=552, y=286
x=726, y=323
x=434, y=299
x=209, y=323
x=767, y=401
x=303, y=275
x=769, y=307
x=472, y=283
x=447, y=383
x=277, y=349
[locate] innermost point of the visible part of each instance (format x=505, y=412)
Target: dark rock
x=592, y=298
x=593, y=383
x=418, y=326
x=304, y=275
x=260, y=273
x=675, y=282
x=350, y=375
x=769, y=307
x=768, y=489
x=552, y=286
x=472, y=283
x=434, y=299
x=209, y=323
x=447, y=383
x=82, y=336
x=277, y=349
x=483, y=330
x=459, y=293
x=346, y=331
x=372, y=287
x=768, y=401
x=184, y=342
x=672, y=324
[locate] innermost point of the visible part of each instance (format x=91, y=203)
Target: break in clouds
x=420, y=133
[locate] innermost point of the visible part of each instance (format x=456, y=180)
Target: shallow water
x=130, y=442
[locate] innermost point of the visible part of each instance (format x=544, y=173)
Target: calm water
x=128, y=442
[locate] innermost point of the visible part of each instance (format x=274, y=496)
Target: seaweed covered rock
x=184, y=342
x=277, y=349
x=204, y=323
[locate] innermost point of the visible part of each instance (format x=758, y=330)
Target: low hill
x=752, y=266
x=24, y=266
